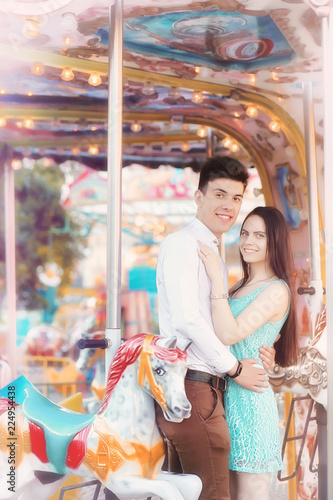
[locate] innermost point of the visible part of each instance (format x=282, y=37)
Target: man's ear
x=198, y=197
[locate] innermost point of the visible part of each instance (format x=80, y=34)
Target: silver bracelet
x=219, y=295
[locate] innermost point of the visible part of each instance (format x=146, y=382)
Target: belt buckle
x=215, y=382
x=219, y=383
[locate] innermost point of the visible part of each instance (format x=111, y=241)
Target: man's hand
x=267, y=355
x=252, y=377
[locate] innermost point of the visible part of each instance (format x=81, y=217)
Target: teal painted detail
x=20, y=384
x=59, y=424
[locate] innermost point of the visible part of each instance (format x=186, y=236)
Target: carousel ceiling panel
x=228, y=52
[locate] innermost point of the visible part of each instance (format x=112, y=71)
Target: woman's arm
x=272, y=301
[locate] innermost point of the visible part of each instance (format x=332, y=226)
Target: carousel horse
x=309, y=375
x=87, y=359
x=120, y=445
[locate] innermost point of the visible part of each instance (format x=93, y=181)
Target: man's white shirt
x=184, y=298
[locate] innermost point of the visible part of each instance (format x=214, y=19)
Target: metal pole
x=114, y=165
x=313, y=211
x=9, y=198
x=327, y=25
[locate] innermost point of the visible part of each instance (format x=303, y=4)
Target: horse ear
x=168, y=343
x=184, y=344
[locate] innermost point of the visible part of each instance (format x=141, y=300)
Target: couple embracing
x=231, y=441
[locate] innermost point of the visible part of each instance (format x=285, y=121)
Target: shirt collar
x=205, y=232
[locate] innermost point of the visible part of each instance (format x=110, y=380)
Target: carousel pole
x=313, y=210
x=327, y=26
x=114, y=166
x=9, y=198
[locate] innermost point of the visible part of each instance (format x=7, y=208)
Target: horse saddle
x=59, y=424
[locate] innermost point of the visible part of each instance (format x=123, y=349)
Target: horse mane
x=128, y=353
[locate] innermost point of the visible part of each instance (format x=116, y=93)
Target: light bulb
x=197, y=97
x=274, y=126
x=28, y=123
x=67, y=74
x=69, y=22
x=94, y=79
x=251, y=111
x=202, y=131
x=38, y=69
x=252, y=78
x=148, y=89
x=75, y=151
x=16, y=164
x=93, y=149
x=185, y=147
x=136, y=127
x=3, y=91
x=236, y=114
x=3, y=121
x=234, y=147
x=174, y=93
x=31, y=27
x=226, y=142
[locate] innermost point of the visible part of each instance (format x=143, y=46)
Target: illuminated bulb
x=93, y=128
x=67, y=74
x=236, y=114
x=19, y=124
x=174, y=93
x=197, y=97
x=202, y=131
x=93, y=149
x=148, y=89
x=16, y=164
x=94, y=79
x=185, y=147
x=274, y=126
x=234, y=147
x=38, y=69
x=47, y=162
x=29, y=94
x=252, y=78
x=68, y=40
x=3, y=122
x=251, y=111
x=75, y=151
x=31, y=27
x=274, y=76
x=136, y=127
x=28, y=123
x=3, y=91
x=226, y=142
x=197, y=69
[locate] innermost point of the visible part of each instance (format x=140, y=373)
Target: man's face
x=219, y=206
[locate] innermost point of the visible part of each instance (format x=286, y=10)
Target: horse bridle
x=145, y=369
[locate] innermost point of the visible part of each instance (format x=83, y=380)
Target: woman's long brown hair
x=282, y=263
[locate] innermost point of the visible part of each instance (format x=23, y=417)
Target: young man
x=200, y=445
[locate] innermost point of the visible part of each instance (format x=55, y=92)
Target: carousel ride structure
x=120, y=445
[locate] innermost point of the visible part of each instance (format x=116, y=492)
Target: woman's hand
x=210, y=259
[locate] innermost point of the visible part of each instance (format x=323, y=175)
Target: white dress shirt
x=184, y=298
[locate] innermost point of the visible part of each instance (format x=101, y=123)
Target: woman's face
x=253, y=240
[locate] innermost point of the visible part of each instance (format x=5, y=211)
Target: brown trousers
x=200, y=444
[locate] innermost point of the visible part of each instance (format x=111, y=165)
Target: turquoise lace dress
x=253, y=417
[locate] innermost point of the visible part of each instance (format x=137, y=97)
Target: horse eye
x=160, y=372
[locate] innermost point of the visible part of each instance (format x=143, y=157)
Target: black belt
x=213, y=380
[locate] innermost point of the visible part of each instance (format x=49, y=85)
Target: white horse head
x=309, y=374
x=121, y=445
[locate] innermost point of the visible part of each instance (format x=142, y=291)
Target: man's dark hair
x=222, y=167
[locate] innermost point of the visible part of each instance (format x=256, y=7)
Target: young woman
x=260, y=308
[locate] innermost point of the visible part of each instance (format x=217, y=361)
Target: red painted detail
x=38, y=443
x=77, y=448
